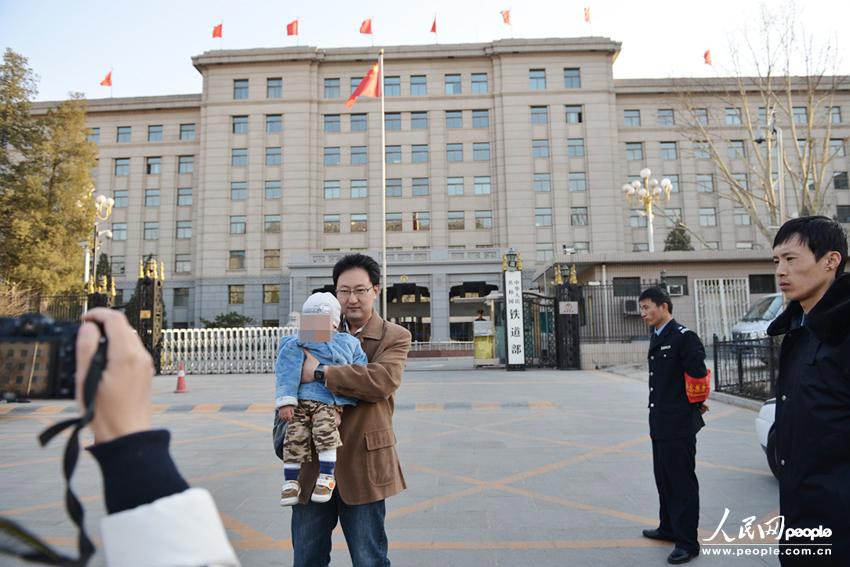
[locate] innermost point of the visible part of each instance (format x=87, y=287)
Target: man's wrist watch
x=319, y=373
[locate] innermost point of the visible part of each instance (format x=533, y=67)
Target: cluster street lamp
x=103, y=210
x=648, y=193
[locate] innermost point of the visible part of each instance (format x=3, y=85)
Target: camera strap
x=20, y=542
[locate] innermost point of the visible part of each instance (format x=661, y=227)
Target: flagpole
x=383, y=189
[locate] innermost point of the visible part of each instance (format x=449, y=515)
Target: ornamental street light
x=103, y=210
x=647, y=194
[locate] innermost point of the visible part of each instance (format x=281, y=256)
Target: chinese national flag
x=506, y=16
x=707, y=57
x=369, y=86
x=587, y=15
x=292, y=28
x=107, y=80
x=366, y=26
x=434, y=25
x=217, y=30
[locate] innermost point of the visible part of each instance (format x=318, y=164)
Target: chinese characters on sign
x=514, y=323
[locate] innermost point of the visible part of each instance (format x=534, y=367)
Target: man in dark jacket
x=813, y=392
x=673, y=423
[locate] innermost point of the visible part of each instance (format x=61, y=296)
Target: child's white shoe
x=290, y=492
x=324, y=488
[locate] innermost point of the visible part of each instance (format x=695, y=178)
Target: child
x=311, y=410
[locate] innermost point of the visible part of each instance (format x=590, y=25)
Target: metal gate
x=539, y=320
x=720, y=303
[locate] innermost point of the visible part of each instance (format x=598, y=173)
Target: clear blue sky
x=72, y=44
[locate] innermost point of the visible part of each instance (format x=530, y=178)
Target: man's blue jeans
x=362, y=525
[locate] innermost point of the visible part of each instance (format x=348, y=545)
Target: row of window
x=153, y=165
x=732, y=116
x=735, y=149
x=124, y=134
x=419, y=153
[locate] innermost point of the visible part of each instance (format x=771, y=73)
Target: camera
x=37, y=357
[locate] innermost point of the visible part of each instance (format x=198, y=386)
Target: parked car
x=754, y=324
x=766, y=432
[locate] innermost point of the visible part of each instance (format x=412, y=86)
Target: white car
x=766, y=433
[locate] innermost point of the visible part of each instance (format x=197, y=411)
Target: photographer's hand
x=123, y=402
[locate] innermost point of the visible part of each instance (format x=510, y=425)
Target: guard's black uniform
x=673, y=425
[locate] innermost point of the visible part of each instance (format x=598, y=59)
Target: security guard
x=673, y=423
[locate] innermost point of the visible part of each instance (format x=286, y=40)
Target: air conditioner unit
x=631, y=306
x=676, y=290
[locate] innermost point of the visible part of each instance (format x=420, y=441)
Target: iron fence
x=58, y=307
x=746, y=368
x=610, y=313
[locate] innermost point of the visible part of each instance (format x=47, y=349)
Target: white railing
x=248, y=350
x=443, y=345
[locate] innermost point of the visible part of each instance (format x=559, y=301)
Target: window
x=674, y=182
x=271, y=293
x=182, y=263
x=640, y=247
x=539, y=114
x=707, y=216
x=354, y=83
x=240, y=89
x=151, y=197
x=701, y=150
x=454, y=119
x=801, y=115
x=271, y=224
x=94, y=135
x=836, y=148
x=455, y=186
x=665, y=117
x=480, y=118
x=331, y=190
x=421, y=221
x=578, y=216
x=394, y=187
x=331, y=155
x=481, y=151
x=482, y=184
x=418, y=120
x=359, y=189
x=456, y=221
x=332, y=88
x=672, y=216
x=577, y=181
x=744, y=245
x=392, y=86
x=834, y=114
x=272, y=189
x=839, y=180
x=544, y=252
x=453, y=84
x=235, y=294
x=705, y=183
x=238, y=190
x=733, y=116
x=392, y=120
x=634, y=151
x=155, y=133
x=454, y=152
x=736, y=149
x=122, y=199
x=581, y=247
x=116, y=263
x=185, y=164
x=542, y=182
x=274, y=87
x=393, y=154
x=331, y=122
x=631, y=118
x=418, y=85
x=119, y=231
x=842, y=213
x=187, y=132
x=393, y=222
x=236, y=261
x=637, y=218
x=573, y=114
x=184, y=229
x=742, y=217
x=537, y=79
x=483, y=220
x=238, y=224
x=681, y=281
x=239, y=124
x=123, y=134
x=741, y=180
x=151, y=231
x=331, y=223
x=273, y=156
x=360, y=222
x=479, y=83
x=421, y=186
x=762, y=283
x=540, y=148
x=358, y=123
x=274, y=123
x=543, y=216
x=359, y=155
x=271, y=258
x=419, y=153
x=575, y=147
x=152, y=165
x=572, y=78
x=701, y=116
x=181, y=297
x=239, y=157
x=669, y=151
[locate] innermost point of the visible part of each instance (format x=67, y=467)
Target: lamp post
x=648, y=193
x=103, y=210
x=780, y=166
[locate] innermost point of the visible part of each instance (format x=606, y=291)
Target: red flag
x=707, y=57
x=366, y=26
x=587, y=15
x=434, y=25
x=292, y=28
x=217, y=30
x=369, y=86
x=107, y=80
x=506, y=16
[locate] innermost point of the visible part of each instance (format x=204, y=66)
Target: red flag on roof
x=587, y=15
x=369, y=86
x=107, y=80
x=506, y=16
x=434, y=25
x=707, y=57
x=217, y=30
x=292, y=28
x=366, y=26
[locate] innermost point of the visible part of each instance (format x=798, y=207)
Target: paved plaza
x=541, y=467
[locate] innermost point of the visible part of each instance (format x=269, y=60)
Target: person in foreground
x=813, y=392
x=673, y=423
x=154, y=518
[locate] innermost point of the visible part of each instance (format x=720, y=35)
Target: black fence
x=59, y=307
x=610, y=313
x=746, y=368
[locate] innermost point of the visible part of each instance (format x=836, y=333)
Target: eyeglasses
x=357, y=291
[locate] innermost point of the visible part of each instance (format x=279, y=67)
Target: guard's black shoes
x=680, y=556
x=658, y=534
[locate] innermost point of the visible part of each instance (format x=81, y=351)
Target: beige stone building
x=251, y=190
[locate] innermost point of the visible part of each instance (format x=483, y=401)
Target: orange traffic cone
x=181, y=379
